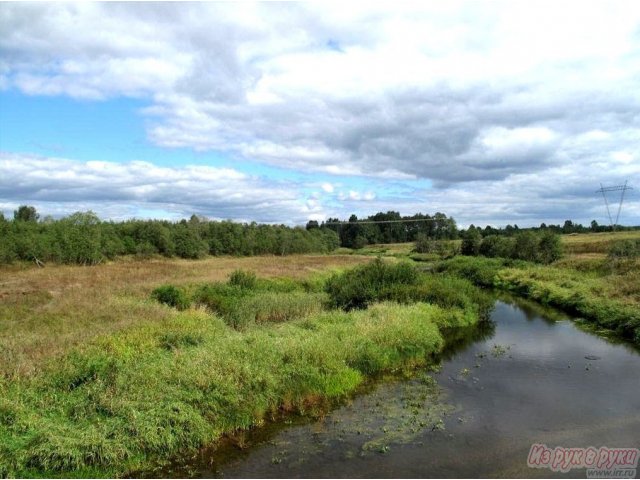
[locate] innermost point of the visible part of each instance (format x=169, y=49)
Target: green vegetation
x=82, y=238
x=402, y=283
x=389, y=227
x=246, y=350
x=244, y=301
x=363, y=285
x=589, y=288
x=172, y=296
x=540, y=247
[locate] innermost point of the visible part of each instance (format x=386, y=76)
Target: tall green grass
x=129, y=400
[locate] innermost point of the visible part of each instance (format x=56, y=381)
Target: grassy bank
x=237, y=353
x=587, y=286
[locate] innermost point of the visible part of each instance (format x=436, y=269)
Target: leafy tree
x=188, y=243
x=471, y=242
x=526, y=247
x=549, y=248
x=26, y=213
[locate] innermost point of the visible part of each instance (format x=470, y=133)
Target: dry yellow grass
x=595, y=242
x=45, y=311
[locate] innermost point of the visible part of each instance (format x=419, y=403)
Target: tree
x=526, y=247
x=568, y=227
x=549, y=248
x=311, y=224
x=26, y=214
x=188, y=243
x=471, y=242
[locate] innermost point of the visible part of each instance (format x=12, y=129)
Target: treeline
x=392, y=228
x=541, y=246
x=567, y=228
x=82, y=238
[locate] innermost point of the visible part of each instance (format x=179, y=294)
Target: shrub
x=480, y=271
x=624, y=249
x=497, y=246
x=172, y=296
x=549, y=248
x=471, y=242
x=223, y=299
x=424, y=244
x=358, y=287
x=526, y=247
x=243, y=279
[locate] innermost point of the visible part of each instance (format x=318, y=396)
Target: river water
x=529, y=376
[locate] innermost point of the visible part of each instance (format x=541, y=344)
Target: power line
x=616, y=188
x=345, y=222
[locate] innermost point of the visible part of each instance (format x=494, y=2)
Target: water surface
x=519, y=380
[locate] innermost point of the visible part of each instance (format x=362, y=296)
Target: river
x=529, y=376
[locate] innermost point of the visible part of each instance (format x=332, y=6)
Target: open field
x=45, y=311
x=574, y=244
x=595, y=242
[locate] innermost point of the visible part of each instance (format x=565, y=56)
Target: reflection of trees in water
x=533, y=310
x=459, y=339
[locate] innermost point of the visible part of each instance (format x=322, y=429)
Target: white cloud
x=488, y=100
x=121, y=190
x=327, y=187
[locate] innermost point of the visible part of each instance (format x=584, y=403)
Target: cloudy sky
x=492, y=112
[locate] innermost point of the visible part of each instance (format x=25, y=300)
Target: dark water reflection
x=521, y=379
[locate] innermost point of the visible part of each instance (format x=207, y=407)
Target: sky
x=494, y=112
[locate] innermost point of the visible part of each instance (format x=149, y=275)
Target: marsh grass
x=129, y=399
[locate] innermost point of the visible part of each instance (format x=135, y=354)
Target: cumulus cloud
x=123, y=190
x=486, y=100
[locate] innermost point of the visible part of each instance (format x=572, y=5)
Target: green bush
x=424, y=244
x=549, y=248
x=243, y=279
x=624, y=249
x=471, y=242
x=497, y=246
x=223, y=299
x=359, y=287
x=480, y=271
x=268, y=301
x=172, y=296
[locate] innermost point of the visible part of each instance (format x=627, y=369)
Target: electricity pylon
x=617, y=188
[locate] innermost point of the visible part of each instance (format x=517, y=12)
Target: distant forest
x=82, y=238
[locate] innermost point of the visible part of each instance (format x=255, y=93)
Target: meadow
x=119, y=368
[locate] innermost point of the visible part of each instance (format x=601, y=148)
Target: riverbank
x=518, y=380
x=590, y=287
x=133, y=398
